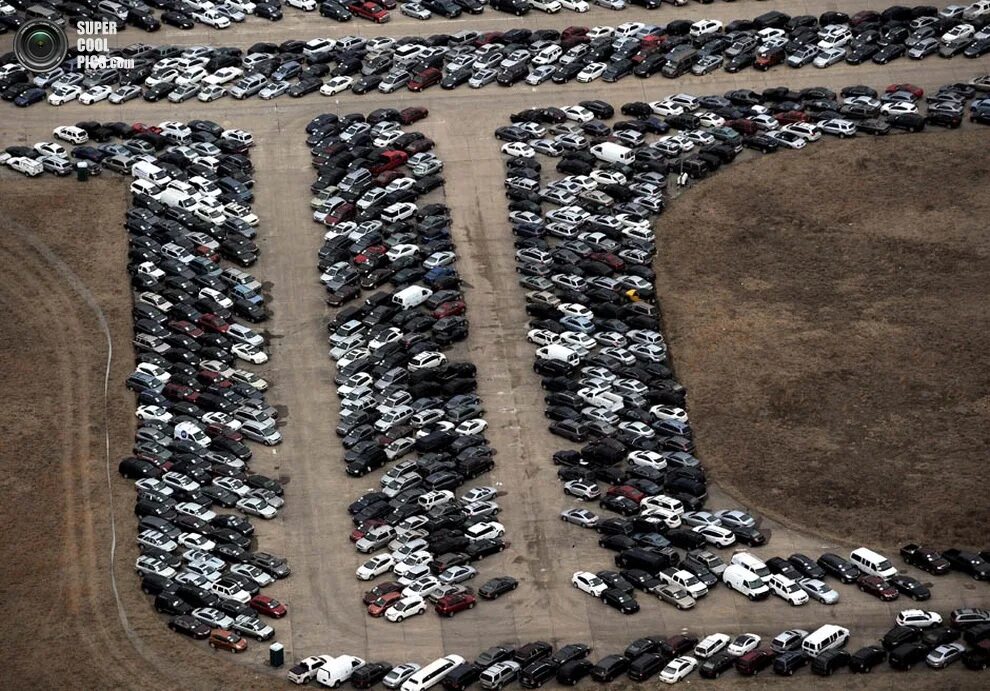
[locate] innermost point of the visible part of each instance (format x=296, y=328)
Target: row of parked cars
x=405, y=403
x=584, y=54
x=584, y=247
x=187, y=14
x=918, y=638
x=199, y=403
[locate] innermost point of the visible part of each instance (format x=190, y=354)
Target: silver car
x=818, y=590
x=581, y=517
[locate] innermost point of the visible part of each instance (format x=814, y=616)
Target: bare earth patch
x=828, y=311
x=64, y=624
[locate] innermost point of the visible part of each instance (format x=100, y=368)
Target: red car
x=486, y=38
x=609, y=259
x=186, y=328
x=792, y=116
x=370, y=11
x=743, y=126
x=626, y=491
x=878, y=587
x=389, y=160
x=449, y=309
x=371, y=255
x=216, y=431
x=408, y=116
x=212, y=378
x=211, y=322
x=449, y=605
x=420, y=146
x=178, y=392
x=343, y=212
x=139, y=127
x=262, y=604
x=381, y=589
x=916, y=91
x=381, y=605
x=425, y=79
x=358, y=533
x=753, y=662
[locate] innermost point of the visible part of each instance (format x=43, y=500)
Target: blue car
x=579, y=324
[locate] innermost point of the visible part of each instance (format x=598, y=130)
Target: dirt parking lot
x=827, y=311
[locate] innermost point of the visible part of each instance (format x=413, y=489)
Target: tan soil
x=827, y=311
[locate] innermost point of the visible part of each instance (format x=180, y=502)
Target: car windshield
x=753, y=584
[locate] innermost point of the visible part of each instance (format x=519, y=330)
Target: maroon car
x=755, y=661
x=381, y=589
x=449, y=605
x=877, y=587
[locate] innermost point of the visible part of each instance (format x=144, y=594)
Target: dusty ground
x=56, y=537
x=827, y=311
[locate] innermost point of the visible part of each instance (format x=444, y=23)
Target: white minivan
x=827, y=637
x=872, y=563
x=751, y=564
x=559, y=352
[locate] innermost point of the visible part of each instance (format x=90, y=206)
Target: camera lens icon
x=40, y=45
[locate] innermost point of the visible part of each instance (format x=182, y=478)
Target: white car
x=918, y=618
x=711, y=644
x=589, y=583
x=153, y=412
x=575, y=5
x=64, y=93
x=786, y=589
x=211, y=92
x=148, y=564
x=591, y=72
x=249, y=353
x=374, y=567
x=486, y=530
x=578, y=113
x=584, y=490
x=806, y=130
x=678, y=668
x=304, y=5
x=399, y=674
x=899, y=108
x=336, y=85
x=196, y=511
x=259, y=576
x=305, y=671
x=742, y=644
x=406, y=607
x=716, y=535
x=71, y=134
x=212, y=18
x=518, y=150
x=666, y=108
x=224, y=75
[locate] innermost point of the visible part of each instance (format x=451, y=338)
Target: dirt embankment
x=827, y=311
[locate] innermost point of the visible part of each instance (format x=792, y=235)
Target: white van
x=176, y=198
x=744, y=581
x=26, y=166
x=610, y=152
x=142, y=186
x=751, y=564
x=872, y=563
x=432, y=674
x=559, y=352
x=827, y=637
x=411, y=297
x=144, y=170
x=338, y=670
x=191, y=432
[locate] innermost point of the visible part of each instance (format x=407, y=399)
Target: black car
x=189, y=625
x=840, y=568
x=968, y=563
x=573, y=651
x=498, y=586
x=570, y=673
x=493, y=655
x=787, y=663
x=865, y=659
x=908, y=655
x=829, y=661
x=620, y=600
x=807, y=566
x=646, y=666
x=909, y=586
x=369, y=675
x=716, y=665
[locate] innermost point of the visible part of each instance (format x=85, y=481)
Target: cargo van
x=872, y=563
x=559, y=352
x=338, y=670
x=178, y=199
x=432, y=674
x=827, y=637
x=144, y=170
x=751, y=564
x=411, y=297
x=744, y=581
x=610, y=152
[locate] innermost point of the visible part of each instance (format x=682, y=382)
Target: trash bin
x=82, y=171
x=276, y=655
